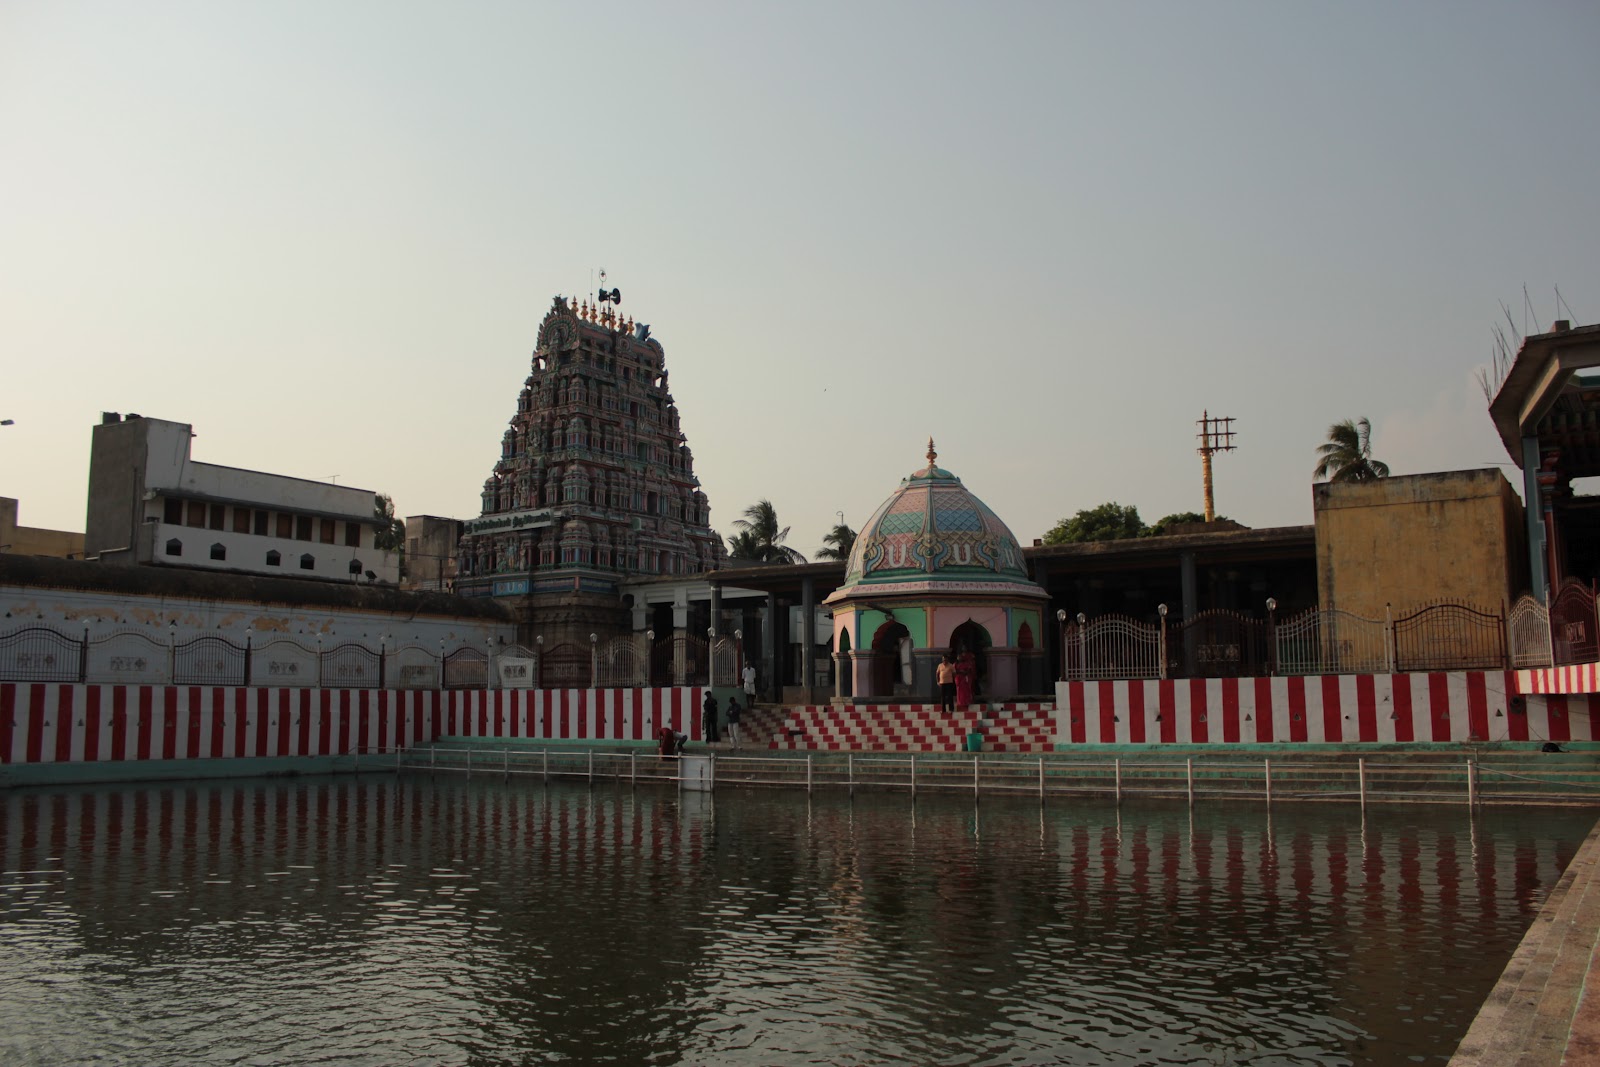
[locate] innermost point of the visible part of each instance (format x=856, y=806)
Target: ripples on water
x=377, y=921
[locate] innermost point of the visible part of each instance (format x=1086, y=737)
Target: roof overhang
x=1543, y=370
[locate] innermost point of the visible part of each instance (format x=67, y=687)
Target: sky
x=1048, y=235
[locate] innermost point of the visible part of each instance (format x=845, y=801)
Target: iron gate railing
x=1449, y=636
x=620, y=663
x=1573, y=637
x=1218, y=644
x=1528, y=630
x=1113, y=646
x=1332, y=642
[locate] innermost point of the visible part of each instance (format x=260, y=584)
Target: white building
x=149, y=503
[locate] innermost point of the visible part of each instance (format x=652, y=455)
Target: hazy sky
x=1049, y=235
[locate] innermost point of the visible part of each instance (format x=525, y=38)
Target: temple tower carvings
x=595, y=482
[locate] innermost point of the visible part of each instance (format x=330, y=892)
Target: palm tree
x=742, y=545
x=837, y=543
x=760, y=524
x=1347, y=455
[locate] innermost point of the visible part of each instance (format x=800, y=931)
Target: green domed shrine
x=935, y=571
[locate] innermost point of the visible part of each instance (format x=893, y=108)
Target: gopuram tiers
x=595, y=484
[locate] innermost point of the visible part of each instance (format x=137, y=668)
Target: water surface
x=443, y=921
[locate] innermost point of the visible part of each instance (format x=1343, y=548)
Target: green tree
x=761, y=523
x=837, y=543
x=742, y=545
x=390, y=534
x=1108, y=522
x=1347, y=455
x=1165, y=524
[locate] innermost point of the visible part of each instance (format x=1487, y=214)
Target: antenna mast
x=1216, y=435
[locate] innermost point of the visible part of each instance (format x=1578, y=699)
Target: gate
x=40, y=654
x=208, y=661
x=466, y=668
x=1332, y=642
x=1112, y=646
x=1528, y=630
x=725, y=665
x=619, y=663
x=679, y=659
x=1572, y=624
x=1218, y=644
x=565, y=666
x=351, y=666
x=1449, y=636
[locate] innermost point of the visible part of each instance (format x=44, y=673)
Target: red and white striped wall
x=1319, y=709
x=1578, y=678
x=52, y=723
x=572, y=714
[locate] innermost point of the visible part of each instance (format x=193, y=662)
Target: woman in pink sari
x=966, y=676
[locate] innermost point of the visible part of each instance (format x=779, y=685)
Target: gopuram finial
x=932, y=455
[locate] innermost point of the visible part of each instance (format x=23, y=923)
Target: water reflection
x=384, y=921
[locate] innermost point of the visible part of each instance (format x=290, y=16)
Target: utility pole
x=1216, y=435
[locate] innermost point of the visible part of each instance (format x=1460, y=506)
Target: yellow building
x=33, y=541
x=1413, y=539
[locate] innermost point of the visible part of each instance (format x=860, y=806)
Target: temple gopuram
x=595, y=483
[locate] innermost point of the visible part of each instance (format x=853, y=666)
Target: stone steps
x=1539, y=1014
x=914, y=728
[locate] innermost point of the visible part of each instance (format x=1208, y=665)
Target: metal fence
x=1114, y=646
x=1446, y=635
x=1445, y=779
x=1332, y=642
x=1450, y=636
x=135, y=656
x=1528, y=632
x=1573, y=624
x=131, y=656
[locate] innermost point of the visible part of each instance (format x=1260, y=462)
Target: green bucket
x=975, y=742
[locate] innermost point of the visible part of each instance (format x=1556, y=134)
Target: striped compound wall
x=1579, y=678
x=1320, y=709
x=50, y=723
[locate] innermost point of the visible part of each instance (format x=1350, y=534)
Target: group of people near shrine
x=958, y=676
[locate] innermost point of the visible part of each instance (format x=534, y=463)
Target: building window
x=172, y=512
x=285, y=525
x=174, y=547
x=302, y=527
x=355, y=566
x=219, y=515
x=197, y=514
x=261, y=524
x=327, y=531
x=273, y=558
x=352, y=535
x=219, y=551
x=308, y=562
x=241, y=520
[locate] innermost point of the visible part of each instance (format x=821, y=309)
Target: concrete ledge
x=1542, y=1012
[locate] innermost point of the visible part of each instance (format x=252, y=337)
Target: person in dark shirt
x=708, y=718
x=734, y=711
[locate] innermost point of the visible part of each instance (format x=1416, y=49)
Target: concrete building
x=594, y=487
x=1408, y=540
x=33, y=541
x=431, y=545
x=151, y=504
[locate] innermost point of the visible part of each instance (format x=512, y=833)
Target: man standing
x=708, y=718
x=947, y=684
x=749, y=677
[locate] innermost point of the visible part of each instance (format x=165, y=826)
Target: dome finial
x=932, y=455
